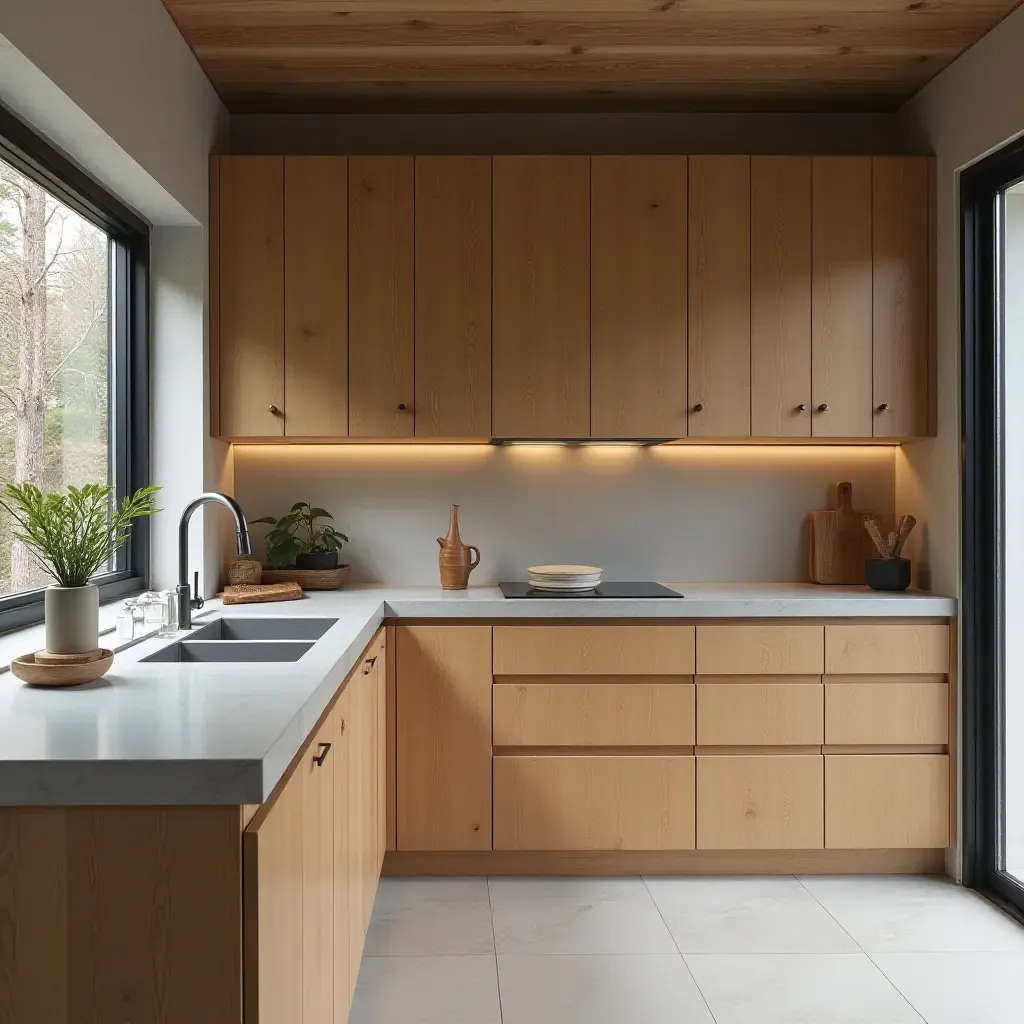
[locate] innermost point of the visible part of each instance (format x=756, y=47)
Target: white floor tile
x=576, y=915
x=773, y=914
x=959, y=988
x=652, y=989
x=914, y=913
x=798, y=988
x=427, y=990
x=430, y=917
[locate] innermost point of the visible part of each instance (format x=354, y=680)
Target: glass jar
x=126, y=621
x=152, y=611
x=169, y=605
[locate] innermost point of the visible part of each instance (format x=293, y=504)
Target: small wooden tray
x=264, y=592
x=309, y=579
x=46, y=658
x=30, y=671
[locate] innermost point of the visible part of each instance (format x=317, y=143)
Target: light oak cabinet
x=638, y=291
x=443, y=745
x=541, y=297
x=312, y=857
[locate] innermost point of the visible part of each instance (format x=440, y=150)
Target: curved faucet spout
x=241, y=536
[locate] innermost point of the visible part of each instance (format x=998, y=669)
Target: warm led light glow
x=366, y=452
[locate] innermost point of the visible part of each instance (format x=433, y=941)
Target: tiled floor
x=779, y=950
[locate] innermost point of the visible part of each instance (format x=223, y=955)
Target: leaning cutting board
x=840, y=546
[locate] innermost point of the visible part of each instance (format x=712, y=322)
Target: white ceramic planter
x=72, y=619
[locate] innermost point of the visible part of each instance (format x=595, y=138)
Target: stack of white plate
x=564, y=577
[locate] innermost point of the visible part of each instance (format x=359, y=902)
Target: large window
x=72, y=351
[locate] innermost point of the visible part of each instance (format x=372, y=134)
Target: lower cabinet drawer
x=593, y=714
x=886, y=801
x=887, y=712
x=772, y=802
x=743, y=713
x=574, y=802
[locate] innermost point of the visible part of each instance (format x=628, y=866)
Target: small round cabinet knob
x=884, y=407
x=274, y=411
x=802, y=407
x=402, y=406
x=823, y=407
x=699, y=407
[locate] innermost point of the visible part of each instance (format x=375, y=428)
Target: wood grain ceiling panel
x=301, y=54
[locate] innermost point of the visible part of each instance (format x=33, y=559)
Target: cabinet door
x=250, y=297
x=444, y=737
x=541, y=311
x=380, y=296
x=900, y=218
x=316, y=296
x=841, y=290
x=780, y=296
x=719, y=275
x=273, y=868
x=344, y=858
x=638, y=296
x=453, y=296
x=317, y=775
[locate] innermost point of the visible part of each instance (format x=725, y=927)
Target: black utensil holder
x=888, y=573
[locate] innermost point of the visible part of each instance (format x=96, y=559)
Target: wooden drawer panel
x=760, y=803
x=760, y=650
x=759, y=713
x=593, y=714
x=896, y=650
x=886, y=801
x=887, y=712
x=593, y=650
x=593, y=803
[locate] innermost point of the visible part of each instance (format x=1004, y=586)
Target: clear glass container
x=126, y=621
x=152, y=611
x=169, y=622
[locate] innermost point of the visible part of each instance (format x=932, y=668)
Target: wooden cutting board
x=840, y=545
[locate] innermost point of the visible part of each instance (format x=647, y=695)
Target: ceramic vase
x=72, y=619
x=456, y=559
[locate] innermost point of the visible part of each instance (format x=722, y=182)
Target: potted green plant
x=72, y=535
x=298, y=540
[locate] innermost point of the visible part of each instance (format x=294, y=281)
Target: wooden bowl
x=46, y=658
x=30, y=671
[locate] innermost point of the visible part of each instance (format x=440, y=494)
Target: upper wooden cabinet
x=563, y=297
x=638, y=296
x=541, y=312
x=381, y=296
x=780, y=296
x=453, y=296
x=719, y=338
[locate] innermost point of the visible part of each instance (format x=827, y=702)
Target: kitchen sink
x=193, y=651
x=267, y=628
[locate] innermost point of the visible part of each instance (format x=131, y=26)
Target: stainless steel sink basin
x=222, y=651
x=259, y=628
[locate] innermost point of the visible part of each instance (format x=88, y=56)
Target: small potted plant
x=298, y=540
x=72, y=536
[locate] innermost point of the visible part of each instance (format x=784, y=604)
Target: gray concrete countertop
x=225, y=733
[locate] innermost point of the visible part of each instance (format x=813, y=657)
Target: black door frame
x=983, y=586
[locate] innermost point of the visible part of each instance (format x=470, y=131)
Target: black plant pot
x=317, y=560
x=888, y=573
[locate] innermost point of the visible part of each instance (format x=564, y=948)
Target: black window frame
x=983, y=585
x=128, y=334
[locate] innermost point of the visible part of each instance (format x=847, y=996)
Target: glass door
x=993, y=551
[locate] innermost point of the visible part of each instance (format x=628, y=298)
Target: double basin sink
x=245, y=640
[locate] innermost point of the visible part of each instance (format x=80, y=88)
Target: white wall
x=715, y=513
x=113, y=85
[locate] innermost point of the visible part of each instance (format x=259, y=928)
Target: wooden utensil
x=35, y=673
x=265, y=592
x=874, y=528
x=839, y=544
x=907, y=523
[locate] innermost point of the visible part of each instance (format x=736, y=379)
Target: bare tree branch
x=7, y=398
x=74, y=348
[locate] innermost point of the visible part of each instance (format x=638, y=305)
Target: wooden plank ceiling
x=686, y=54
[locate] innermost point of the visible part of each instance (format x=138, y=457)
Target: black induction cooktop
x=521, y=590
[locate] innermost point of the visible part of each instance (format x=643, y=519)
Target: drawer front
x=593, y=650
x=760, y=650
x=887, y=712
x=596, y=714
x=593, y=803
x=881, y=650
x=760, y=803
x=759, y=713
x=886, y=801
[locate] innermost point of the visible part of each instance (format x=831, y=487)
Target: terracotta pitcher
x=455, y=558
